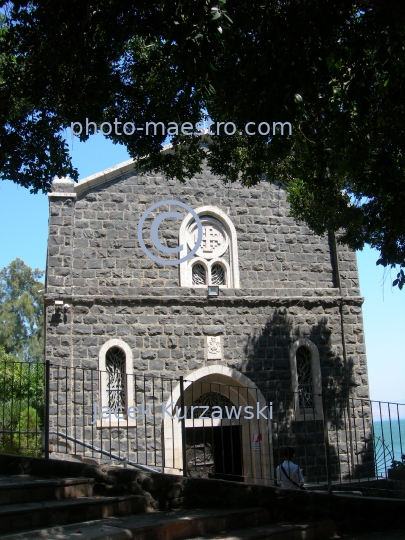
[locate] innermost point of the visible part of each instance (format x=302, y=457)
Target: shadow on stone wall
x=267, y=364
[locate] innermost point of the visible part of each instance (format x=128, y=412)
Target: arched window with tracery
x=218, y=273
x=305, y=377
x=216, y=260
x=199, y=274
x=116, y=384
x=116, y=375
x=306, y=380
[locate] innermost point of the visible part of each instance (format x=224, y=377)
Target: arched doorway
x=237, y=446
x=214, y=449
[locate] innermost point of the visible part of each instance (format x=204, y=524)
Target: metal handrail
x=104, y=452
x=87, y=445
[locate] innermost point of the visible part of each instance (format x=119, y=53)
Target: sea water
x=389, y=442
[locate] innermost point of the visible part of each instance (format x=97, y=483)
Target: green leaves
x=21, y=311
x=21, y=352
x=21, y=405
x=400, y=280
x=334, y=70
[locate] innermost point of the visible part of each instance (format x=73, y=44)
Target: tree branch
x=396, y=8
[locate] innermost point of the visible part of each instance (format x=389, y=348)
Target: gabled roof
x=97, y=179
x=104, y=176
x=109, y=174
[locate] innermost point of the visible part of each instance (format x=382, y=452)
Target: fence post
x=326, y=440
x=47, y=399
x=183, y=426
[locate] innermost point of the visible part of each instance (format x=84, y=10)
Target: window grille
x=115, y=367
x=217, y=275
x=305, y=377
x=199, y=274
x=210, y=399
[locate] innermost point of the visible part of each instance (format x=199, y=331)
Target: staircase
x=33, y=507
x=30, y=502
x=62, y=509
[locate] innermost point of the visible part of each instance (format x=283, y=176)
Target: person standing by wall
x=289, y=475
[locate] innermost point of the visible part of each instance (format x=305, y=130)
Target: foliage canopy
x=334, y=69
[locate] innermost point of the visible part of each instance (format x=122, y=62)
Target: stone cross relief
x=212, y=239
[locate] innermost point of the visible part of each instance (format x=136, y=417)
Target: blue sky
x=24, y=226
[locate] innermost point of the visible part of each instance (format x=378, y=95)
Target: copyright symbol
x=155, y=233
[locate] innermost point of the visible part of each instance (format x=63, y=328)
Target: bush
x=21, y=406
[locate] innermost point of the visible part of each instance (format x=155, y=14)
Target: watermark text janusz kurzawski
x=201, y=412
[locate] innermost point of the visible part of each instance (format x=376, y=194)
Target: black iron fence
x=203, y=428
x=22, y=401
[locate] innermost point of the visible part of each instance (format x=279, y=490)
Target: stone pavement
x=240, y=524
x=388, y=535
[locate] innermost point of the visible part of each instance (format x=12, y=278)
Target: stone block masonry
x=167, y=335
x=95, y=236
x=288, y=286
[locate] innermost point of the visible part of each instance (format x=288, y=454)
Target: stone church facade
x=286, y=323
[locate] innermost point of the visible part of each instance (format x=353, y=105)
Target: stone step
x=246, y=524
x=29, y=515
x=285, y=531
x=20, y=489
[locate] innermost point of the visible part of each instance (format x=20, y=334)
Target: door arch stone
x=241, y=391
